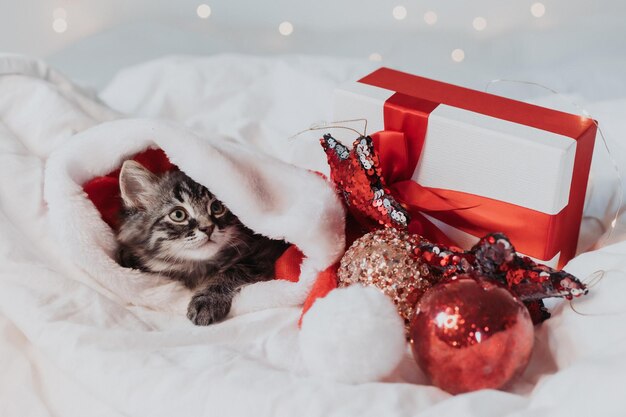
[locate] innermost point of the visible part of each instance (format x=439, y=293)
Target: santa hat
x=351, y=335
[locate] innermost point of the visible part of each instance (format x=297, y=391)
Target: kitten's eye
x=178, y=215
x=217, y=208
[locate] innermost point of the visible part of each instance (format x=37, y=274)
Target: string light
x=399, y=12
x=538, y=9
x=430, y=18
x=285, y=28
x=458, y=55
x=479, y=23
x=203, y=11
x=59, y=25
x=375, y=57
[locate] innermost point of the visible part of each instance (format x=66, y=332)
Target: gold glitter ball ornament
x=383, y=259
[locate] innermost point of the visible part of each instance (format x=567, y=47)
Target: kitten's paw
x=205, y=309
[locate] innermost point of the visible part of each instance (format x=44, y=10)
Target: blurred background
x=575, y=46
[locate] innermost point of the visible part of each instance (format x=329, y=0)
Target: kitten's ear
x=137, y=185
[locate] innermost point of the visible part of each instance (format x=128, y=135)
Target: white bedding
x=69, y=348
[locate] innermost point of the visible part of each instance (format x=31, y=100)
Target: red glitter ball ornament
x=470, y=333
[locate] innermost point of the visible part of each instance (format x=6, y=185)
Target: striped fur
x=209, y=251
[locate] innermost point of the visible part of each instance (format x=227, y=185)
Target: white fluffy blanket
x=81, y=336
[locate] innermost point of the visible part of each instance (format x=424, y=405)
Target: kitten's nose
x=207, y=229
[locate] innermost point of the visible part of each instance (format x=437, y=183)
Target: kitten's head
x=170, y=218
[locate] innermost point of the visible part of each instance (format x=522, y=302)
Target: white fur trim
x=269, y=196
x=353, y=335
x=278, y=292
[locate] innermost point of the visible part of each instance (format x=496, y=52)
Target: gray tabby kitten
x=173, y=226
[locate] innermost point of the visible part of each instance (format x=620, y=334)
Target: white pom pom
x=353, y=335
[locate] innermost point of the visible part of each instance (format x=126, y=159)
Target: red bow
x=397, y=169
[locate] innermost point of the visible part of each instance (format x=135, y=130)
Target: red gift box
x=501, y=164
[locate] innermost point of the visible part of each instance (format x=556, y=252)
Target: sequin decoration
x=358, y=178
x=404, y=266
x=383, y=259
x=494, y=256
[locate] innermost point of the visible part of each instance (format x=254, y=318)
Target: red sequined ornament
x=470, y=333
x=358, y=177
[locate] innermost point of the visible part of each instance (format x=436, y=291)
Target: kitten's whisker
x=236, y=247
